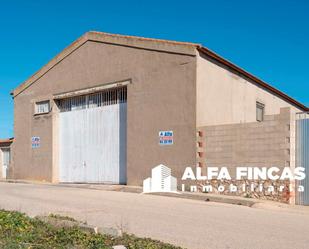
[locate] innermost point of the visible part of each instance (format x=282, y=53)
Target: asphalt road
x=188, y=223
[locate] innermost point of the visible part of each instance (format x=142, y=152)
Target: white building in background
x=161, y=180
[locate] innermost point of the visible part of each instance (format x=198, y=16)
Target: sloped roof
x=186, y=48
x=6, y=142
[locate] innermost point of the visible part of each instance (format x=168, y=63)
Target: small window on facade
x=260, y=111
x=42, y=107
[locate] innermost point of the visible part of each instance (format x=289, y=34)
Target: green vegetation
x=18, y=231
x=60, y=217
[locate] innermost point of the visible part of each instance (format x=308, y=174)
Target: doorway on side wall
x=5, y=161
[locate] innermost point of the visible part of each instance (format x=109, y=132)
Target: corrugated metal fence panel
x=302, y=158
x=93, y=144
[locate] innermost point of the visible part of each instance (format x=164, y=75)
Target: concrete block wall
x=263, y=144
x=256, y=144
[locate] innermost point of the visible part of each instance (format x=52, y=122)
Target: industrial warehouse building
x=109, y=108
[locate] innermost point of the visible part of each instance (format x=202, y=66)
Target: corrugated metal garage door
x=92, y=138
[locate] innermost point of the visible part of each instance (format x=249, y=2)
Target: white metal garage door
x=92, y=138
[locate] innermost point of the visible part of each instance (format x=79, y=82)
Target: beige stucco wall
x=159, y=80
x=223, y=97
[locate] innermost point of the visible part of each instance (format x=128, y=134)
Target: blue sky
x=268, y=38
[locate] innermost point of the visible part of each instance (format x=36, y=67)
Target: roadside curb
x=234, y=200
x=138, y=190
x=211, y=198
x=93, y=186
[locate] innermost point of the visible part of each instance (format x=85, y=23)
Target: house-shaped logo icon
x=161, y=180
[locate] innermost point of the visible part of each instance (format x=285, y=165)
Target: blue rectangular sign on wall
x=35, y=142
x=166, y=137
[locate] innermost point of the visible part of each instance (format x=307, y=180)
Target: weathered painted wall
x=159, y=80
x=223, y=97
x=28, y=163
